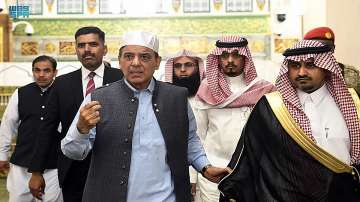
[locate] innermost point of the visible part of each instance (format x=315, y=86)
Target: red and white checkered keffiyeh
x=336, y=86
x=215, y=90
x=169, y=65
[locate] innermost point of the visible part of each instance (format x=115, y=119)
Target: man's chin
x=308, y=89
x=42, y=85
x=90, y=65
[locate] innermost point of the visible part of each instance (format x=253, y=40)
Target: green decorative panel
x=55, y=37
x=173, y=26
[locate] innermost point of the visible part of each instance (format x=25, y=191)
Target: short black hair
x=42, y=58
x=91, y=30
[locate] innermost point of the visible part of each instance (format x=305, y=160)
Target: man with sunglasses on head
x=227, y=94
x=187, y=70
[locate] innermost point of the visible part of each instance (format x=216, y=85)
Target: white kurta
x=18, y=177
x=220, y=130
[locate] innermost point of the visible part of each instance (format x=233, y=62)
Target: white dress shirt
x=98, y=78
x=329, y=130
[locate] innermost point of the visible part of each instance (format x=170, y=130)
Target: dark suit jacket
x=63, y=104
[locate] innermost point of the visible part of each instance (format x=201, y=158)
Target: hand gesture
x=89, y=117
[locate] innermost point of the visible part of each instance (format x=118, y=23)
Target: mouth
x=88, y=57
x=183, y=76
x=133, y=73
x=303, y=79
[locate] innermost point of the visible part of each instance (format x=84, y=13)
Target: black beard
x=192, y=83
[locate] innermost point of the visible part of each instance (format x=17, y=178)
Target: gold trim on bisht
x=298, y=135
x=356, y=100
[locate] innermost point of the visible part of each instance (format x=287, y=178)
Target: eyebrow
x=136, y=53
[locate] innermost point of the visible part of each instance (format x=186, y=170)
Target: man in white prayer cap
x=142, y=133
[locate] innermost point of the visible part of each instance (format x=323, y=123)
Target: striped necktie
x=91, y=84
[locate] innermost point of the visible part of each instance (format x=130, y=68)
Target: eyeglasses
x=186, y=65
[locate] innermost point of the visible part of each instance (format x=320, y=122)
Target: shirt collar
x=47, y=87
x=99, y=71
x=150, y=87
x=237, y=82
x=315, y=96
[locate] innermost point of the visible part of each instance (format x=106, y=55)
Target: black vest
x=31, y=107
x=111, y=156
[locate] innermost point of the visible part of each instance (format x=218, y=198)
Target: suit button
x=126, y=140
x=122, y=182
x=41, y=118
x=43, y=107
x=123, y=166
x=124, y=152
x=131, y=113
x=129, y=126
x=41, y=94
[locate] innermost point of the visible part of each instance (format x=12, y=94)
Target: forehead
x=301, y=61
x=184, y=59
x=136, y=49
x=43, y=64
x=85, y=38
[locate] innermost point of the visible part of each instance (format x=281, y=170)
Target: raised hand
x=89, y=116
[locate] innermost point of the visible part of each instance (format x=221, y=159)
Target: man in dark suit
x=68, y=92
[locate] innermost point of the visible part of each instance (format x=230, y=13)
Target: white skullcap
x=141, y=38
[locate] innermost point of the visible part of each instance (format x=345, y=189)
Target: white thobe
x=220, y=130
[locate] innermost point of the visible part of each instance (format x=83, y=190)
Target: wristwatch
x=203, y=170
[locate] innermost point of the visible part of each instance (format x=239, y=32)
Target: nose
x=87, y=47
x=302, y=70
x=41, y=73
x=230, y=58
x=182, y=69
x=135, y=61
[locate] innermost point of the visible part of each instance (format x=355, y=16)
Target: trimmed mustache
x=89, y=54
x=230, y=65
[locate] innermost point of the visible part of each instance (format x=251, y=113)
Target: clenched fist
x=89, y=117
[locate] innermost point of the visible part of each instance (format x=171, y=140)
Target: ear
x=105, y=50
x=119, y=61
x=158, y=61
